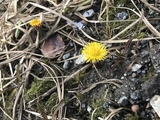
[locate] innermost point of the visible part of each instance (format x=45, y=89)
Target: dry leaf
x=53, y=46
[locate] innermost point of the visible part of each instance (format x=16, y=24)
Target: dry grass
x=19, y=42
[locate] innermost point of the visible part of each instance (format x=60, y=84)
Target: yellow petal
x=94, y=52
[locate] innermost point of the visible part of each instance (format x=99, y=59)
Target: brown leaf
x=53, y=46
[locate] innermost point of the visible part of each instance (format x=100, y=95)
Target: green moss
x=99, y=110
x=38, y=88
x=52, y=101
x=149, y=74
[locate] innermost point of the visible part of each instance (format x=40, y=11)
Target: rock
x=65, y=56
x=133, y=52
x=80, y=60
x=144, y=71
x=83, y=105
x=139, y=71
x=105, y=105
x=123, y=101
x=135, y=108
x=155, y=103
x=78, y=25
x=135, y=95
x=66, y=64
x=88, y=13
x=89, y=109
x=136, y=67
x=122, y=15
x=150, y=88
x=134, y=75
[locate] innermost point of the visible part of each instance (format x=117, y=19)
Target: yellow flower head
x=94, y=52
x=35, y=23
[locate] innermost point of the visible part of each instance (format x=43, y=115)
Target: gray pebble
x=66, y=64
x=88, y=13
x=122, y=15
x=65, y=56
x=123, y=101
x=135, y=95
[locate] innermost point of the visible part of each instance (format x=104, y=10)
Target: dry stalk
x=114, y=112
x=149, y=26
x=150, y=6
x=115, y=82
x=6, y=114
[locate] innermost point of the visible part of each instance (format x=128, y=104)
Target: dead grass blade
x=124, y=30
x=115, y=82
x=16, y=101
x=150, y=6
x=37, y=114
x=114, y=112
x=1, y=89
x=6, y=114
x=134, y=40
x=147, y=23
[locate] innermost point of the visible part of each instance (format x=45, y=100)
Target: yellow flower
x=35, y=23
x=94, y=52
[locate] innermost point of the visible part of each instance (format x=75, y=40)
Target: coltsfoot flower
x=35, y=23
x=94, y=52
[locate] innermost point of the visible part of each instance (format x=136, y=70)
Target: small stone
x=105, y=105
x=89, y=109
x=144, y=71
x=151, y=12
x=122, y=77
x=83, y=105
x=125, y=74
x=155, y=103
x=134, y=74
x=135, y=108
x=80, y=60
x=88, y=13
x=135, y=67
x=123, y=93
x=100, y=118
x=123, y=101
x=78, y=25
x=91, y=96
x=71, y=44
x=122, y=15
x=153, y=57
x=139, y=71
x=66, y=64
x=65, y=56
x=133, y=52
x=135, y=95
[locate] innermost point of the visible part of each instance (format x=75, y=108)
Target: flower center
x=96, y=52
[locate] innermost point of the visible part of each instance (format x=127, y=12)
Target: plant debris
x=53, y=46
x=54, y=63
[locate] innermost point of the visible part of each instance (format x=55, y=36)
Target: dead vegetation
x=33, y=86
